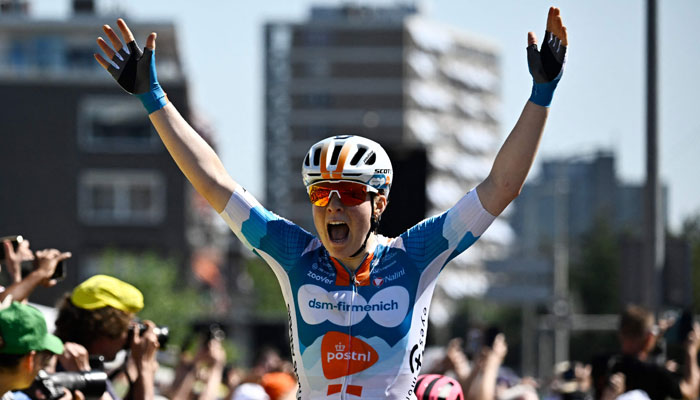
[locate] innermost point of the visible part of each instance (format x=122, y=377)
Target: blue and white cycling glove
x=136, y=73
x=546, y=67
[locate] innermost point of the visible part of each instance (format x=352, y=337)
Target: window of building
x=121, y=197
x=81, y=58
x=318, y=100
x=41, y=53
x=316, y=37
x=115, y=125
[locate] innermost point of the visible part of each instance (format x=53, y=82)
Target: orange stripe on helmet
x=324, y=152
x=338, y=173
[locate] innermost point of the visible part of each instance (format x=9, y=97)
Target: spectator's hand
x=671, y=365
x=692, y=343
x=215, y=353
x=530, y=381
x=665, y=322
x=46, y=262
x=13, y=259
x=582, y=373
x=499, y=349
x=235, y=377
x=457, y=358
x=614, y=387
x=75, y=357
x=143, y=349
x=75, y=395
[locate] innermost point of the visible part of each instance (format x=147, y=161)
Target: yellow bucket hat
x=102, y=290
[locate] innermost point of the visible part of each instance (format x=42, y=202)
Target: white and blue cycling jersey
x=357, y=334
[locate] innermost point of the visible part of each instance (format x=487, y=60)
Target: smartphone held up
x=29, y=266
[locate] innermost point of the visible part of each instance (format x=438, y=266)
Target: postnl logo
x=343, y=355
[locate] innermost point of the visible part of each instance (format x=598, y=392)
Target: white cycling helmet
x=348, y=158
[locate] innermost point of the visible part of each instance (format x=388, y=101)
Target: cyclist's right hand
x=133, y=69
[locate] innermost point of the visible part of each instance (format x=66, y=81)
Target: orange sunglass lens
x=351, y=194
x=319, y=196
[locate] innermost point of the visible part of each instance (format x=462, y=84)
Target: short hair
x=75, y=324
x=636, y=322
x=10, y=362
x=43, y=358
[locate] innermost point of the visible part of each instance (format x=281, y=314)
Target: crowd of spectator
x=97, y=324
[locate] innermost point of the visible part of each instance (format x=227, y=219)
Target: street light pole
x=561, y=307
x=654, y=232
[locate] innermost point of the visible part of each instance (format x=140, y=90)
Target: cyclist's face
x=341, y=228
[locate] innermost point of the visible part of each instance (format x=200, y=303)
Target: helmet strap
x=373, y=224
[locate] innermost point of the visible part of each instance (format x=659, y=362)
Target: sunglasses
x=349, y=193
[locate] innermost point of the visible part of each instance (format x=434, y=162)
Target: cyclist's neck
x=353, y=263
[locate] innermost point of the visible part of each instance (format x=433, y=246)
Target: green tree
x=166, y=301
x=268, y=300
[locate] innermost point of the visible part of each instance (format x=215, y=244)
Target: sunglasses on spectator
x=349, y=193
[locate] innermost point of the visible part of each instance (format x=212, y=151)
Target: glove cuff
x=155, y=99
x=542, y=93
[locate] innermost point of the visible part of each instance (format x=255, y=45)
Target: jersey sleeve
x=263, y=231
x=443, y=237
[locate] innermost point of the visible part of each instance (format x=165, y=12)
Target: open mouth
x=338, y=231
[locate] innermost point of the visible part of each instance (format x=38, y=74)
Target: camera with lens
x=90, y=383
x=162, y=333
x=29, y=266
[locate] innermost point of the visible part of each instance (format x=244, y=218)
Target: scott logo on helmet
x=382, y=171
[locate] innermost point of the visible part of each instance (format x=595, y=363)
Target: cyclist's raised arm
x=135, y=72
x=196, y=159
x=515, y=157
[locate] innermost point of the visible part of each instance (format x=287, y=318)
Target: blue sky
x=600, y=103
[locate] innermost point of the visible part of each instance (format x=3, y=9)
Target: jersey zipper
x=354, y=284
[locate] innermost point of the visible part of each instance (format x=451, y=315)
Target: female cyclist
x=357, y=301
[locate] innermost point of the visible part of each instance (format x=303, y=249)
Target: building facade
x=576, y=193
x=83, y=169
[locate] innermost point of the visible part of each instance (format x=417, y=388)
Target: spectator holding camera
x=45, y=263
x=638, y=334
x=26, y=347
x=97, y=318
